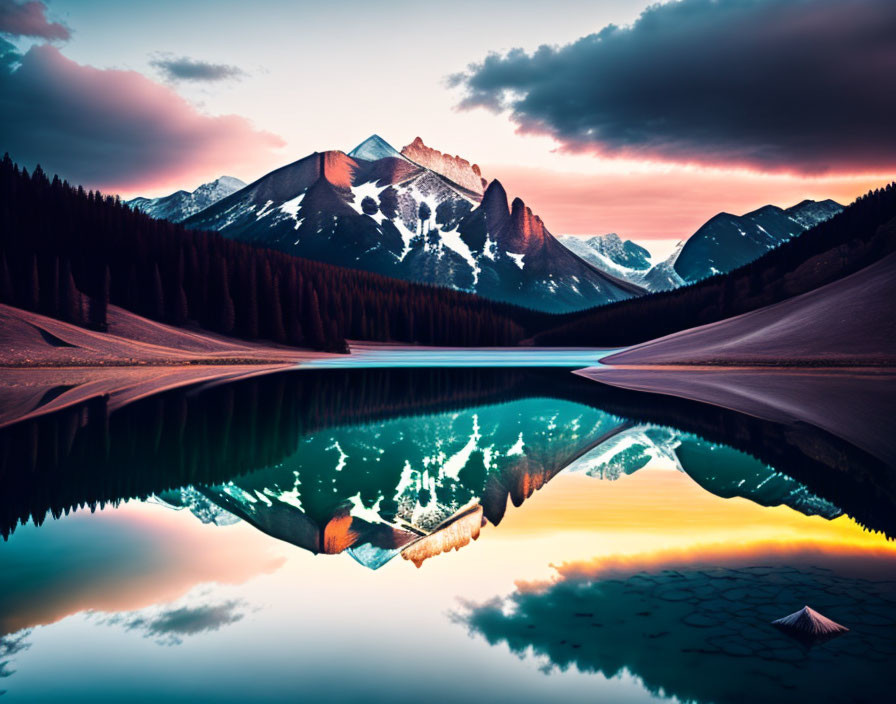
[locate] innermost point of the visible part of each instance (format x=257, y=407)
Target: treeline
x=856, y=237
x=68, y=253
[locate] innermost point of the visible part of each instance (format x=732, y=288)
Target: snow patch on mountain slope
x=453, y=241
x=517, y=448
x=265, y=210
x=630, y=450
x=517, y=258
x=291, y=207
x=366, y=190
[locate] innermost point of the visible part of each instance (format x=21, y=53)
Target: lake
x=397, y=531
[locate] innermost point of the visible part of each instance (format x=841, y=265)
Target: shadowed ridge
x=494, y=204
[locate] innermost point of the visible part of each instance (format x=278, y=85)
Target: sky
x=604, y=116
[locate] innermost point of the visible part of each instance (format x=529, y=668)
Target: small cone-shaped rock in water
x=809, y=625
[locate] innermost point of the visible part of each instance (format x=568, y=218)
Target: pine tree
x=314, y=323
x=7, y=289
x=155, y=306
x=221, y=303
x=31, y=291
x=249, y=300
x=278, y=332
x=424, y=213
x=69, y=296
x=291, y=310
x=99, y=302
x=179, y=309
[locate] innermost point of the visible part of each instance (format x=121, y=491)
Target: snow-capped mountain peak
x=727, y=241
x=374, y=148
x=216, y=190
x=180, y=205
x=625, y=260
x=399, y=218
x=810, y=213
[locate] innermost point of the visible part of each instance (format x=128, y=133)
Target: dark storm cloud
x=187, y=69
x=115, y=129
x=804, y=85
x=29, y=19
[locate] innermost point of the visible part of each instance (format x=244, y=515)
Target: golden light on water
x=664, y=513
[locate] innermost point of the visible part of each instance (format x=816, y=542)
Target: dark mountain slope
x=728, y=241
x=861, y=235
x=850, y=321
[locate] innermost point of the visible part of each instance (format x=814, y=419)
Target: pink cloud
x=28, y=19
x=118, y=130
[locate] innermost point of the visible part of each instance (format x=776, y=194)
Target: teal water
x=404, y=357
x=259, y=541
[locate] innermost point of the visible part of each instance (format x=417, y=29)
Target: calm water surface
x=397, y=535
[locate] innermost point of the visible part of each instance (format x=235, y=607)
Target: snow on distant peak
x=180, y=205
x=210, y=193
x=374, y=148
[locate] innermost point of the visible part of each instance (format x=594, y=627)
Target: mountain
x=455, y=168
x=182, y=204
x=859, y=236
x=374, y=148
x=379, y=490
x=727, y=241
x=70, y=255
x=847, y=322
x=625, y=260
x=609, y=251
x=393, y=216
x=719, y=469
x=723, y=243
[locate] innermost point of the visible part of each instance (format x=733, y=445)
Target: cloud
x=169, y=626
x=117, y=129
x=780, y=85
x=187, y=69
x=691, y=627
x=28, y=19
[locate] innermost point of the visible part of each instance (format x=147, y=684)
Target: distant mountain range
x=626, y=260
x=435, y=222
x=723, y=243
x=421, y=215
x=856, y=238
x=182, y=204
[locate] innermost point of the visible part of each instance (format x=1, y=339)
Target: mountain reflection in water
x=412, y=463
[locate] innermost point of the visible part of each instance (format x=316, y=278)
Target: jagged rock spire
x=494, y=204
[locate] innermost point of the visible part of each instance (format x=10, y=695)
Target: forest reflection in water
x=410, y=463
